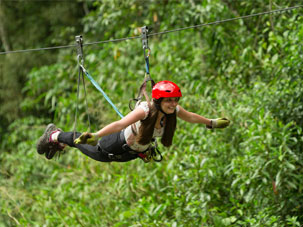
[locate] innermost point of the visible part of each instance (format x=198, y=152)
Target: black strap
x=142, y=92
x=80, y=59
x=86, y=103
x=77, y=103
x=155, y=152
x=81, y=74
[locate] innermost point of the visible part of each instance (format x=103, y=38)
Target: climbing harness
x=152, y=153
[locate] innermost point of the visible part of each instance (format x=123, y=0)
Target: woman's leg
x=109, y=148
x=92, y=151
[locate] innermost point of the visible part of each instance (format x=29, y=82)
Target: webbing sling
x=101, y=90
x=146, y=51
x=153, y=151
x=80, y=58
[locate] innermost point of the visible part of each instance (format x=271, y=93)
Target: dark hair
x=146, y=130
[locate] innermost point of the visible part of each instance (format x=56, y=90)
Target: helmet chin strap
x=159, y=108
x=158, y=105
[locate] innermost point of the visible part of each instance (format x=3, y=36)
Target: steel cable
x=158, y=33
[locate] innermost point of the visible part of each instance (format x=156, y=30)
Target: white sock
x=55, y=136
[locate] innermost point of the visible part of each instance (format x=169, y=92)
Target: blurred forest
x=248, y=70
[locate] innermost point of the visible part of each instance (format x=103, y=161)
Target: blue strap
x=100, y=89
x=147, y=65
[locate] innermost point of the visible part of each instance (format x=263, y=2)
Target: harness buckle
x=111, y=156
x=114, y=156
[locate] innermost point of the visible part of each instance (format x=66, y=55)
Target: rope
x=86, y=103
x=77, y=104
x=80, y=76
x=159, y=33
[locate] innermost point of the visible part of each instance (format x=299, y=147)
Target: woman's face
x=169, y=105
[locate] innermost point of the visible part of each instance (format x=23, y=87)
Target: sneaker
x=54, y=147
x=43, y=142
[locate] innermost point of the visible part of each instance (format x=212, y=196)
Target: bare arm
x=192, y=117
x=116, y=126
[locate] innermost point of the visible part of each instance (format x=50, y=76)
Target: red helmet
x=165, y=89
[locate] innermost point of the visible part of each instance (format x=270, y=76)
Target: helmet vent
x=167, y=90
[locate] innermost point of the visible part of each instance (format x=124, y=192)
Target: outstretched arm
x=192, y=117
x=116, y=126
x=196, y=118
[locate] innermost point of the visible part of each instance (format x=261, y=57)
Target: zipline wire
x=228, y=20
x=38, y=49
x=159, y=33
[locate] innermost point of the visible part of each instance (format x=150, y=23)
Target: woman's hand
x=218, y=123
x=87, y=138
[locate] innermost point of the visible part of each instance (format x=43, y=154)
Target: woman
x=130, y=137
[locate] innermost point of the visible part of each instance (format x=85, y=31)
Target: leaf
x=289, y=165
x=278, y=179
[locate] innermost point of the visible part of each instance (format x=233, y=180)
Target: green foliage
x=249, y=174
x=29, y=25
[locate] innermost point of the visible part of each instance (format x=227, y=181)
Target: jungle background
x=248, y=70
